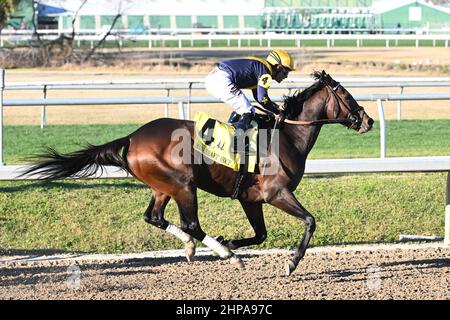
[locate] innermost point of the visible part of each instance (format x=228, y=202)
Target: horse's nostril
x=370, y=121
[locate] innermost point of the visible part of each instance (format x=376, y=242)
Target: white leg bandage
x=221, y=250
x=177, y=232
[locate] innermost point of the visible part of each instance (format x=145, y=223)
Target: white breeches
x=219, y=85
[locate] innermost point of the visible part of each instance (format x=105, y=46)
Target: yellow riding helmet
x=281, y=57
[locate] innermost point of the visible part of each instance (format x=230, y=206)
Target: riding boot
x=241, y=127
x=244, y=121
x=234, y=117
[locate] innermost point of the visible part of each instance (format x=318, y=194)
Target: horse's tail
x=80, y=164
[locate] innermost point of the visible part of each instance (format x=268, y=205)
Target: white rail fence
x=198, y=83
x=190, y=84
x=382, y=164
x=183, y=114
x=266, y=39
x=232, y=31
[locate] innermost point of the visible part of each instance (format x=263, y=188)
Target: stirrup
x=234, y=117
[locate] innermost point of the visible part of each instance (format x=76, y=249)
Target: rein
x=306, y=122
x=352, y=119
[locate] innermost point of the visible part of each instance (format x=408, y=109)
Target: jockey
x=230, y=76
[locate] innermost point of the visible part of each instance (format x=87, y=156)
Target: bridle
x=353, y=120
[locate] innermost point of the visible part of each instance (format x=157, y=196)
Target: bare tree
x=7, y=8
x=43, y=52
x=108, y=33
x=69, y=55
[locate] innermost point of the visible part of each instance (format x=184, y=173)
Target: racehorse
x=149, y=155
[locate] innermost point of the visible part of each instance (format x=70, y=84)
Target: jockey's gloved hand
x=280, y=117
x=273, y=108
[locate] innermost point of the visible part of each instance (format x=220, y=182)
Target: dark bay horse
x=149, y=155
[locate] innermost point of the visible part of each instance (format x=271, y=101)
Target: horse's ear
x=316, y=75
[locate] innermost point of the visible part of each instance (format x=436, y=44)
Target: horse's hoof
x=290, y=267
x=230, y=245
x=235, y=260
x=189, y=249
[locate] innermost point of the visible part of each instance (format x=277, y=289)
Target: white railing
x=182, y=100
x=239, y=30
x=189, y=84
x=262, y=39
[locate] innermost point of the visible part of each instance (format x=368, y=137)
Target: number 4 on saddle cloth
x=216, y=140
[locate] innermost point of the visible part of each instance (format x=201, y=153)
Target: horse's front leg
x=286, y=201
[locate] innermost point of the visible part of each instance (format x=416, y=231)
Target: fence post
x=43, y=110
x=399, y=106
x=2, y=88
x=166, y=106
x=447, y=211
x=189, y=101
x=382, y=129
x=181, y=113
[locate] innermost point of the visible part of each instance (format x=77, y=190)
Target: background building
x=291, y=16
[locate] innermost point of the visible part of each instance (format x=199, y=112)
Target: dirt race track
x=370, y=272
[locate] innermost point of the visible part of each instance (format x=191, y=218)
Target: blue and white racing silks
x=251, y=73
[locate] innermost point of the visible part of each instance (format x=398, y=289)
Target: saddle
x=216, y=140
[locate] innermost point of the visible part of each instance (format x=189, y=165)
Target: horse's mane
x=293, y=105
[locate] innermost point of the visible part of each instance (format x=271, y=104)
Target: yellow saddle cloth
x=218, y=145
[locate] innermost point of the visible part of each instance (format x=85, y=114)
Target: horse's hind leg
x=255, y=216
x=155, y=216
x=186, y=200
